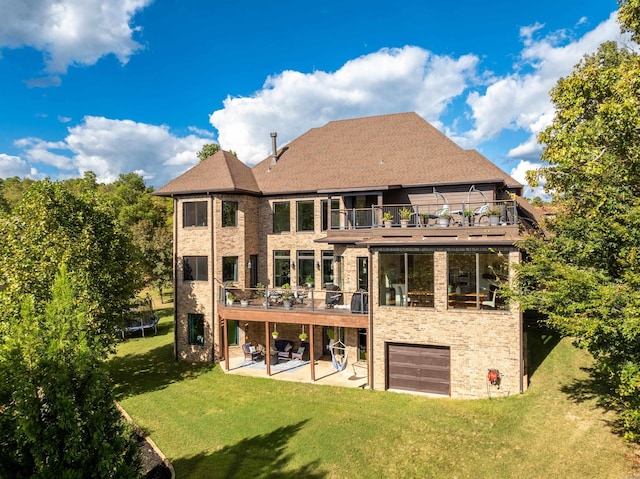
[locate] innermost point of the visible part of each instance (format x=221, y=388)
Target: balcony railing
x=484, y=213
x=296, y=299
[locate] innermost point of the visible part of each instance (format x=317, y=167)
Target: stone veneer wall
x=478, y=340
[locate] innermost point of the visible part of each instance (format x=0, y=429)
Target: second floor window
x=304, y=216
x=281, y=217
x=194, y=213
x=194, y=268
x=229, y=213
x=230, y=268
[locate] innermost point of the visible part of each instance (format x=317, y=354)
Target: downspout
x=370, y=332
x=175, y=278
x=214, y=303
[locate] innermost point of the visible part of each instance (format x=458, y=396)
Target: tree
x=585, y=277
x=52, y=226
x=208, y=150
x=58, y=416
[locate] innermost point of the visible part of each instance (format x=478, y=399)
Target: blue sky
x=138, y=85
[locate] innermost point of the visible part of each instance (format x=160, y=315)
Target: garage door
x=418, y=368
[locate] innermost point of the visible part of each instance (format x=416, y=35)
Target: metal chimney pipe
x=275, y=147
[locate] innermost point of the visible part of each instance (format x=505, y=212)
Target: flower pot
x=404, y=223
x=275, y=334
x=303, y=337
x=388, y=223
x=287, y=304
x=244, y=303
x=444, y=222
x=494, y=220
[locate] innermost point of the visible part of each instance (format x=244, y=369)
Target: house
x=404, y=238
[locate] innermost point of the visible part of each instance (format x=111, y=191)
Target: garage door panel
x=418, y=368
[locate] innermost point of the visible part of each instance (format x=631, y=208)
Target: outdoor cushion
x=287, y=348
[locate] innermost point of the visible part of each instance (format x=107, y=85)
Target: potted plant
x=275, y=334
x=387, y=218
x=330, y=333
x=303, y=336
x=444, y=219
x=261, y=293
x=231, y=298
x=287, y=295
x=309, y=281
x=494, y=215
x=405, y=216
x=424, y=219
x=243, y=296
x=468, y=217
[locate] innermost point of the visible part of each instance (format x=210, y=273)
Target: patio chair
x=491, y=302
x=333, y=297
x=302, y=352
x=251, y=353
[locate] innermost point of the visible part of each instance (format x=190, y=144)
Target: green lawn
x=212, y=425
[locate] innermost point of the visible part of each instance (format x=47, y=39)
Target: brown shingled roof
x=400, y=149
x=362, y=153
x=221, y=172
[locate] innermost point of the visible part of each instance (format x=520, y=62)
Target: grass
x=211, y=424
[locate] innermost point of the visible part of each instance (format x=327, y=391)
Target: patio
x=300, y=371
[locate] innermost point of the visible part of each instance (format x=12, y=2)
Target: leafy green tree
x=586, y=275
x=58, y=415
x=208, y=150
x=52, y=226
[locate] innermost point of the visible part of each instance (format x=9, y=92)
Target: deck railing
x=483, y=213
x=308, y=299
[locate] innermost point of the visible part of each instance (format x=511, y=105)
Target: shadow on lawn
x=258, y=456
x=136, y=374
x=540, y=342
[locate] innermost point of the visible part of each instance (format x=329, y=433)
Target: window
x=335, y=214
x=306, y=259
x=281, y=217
x=406, y=279
x=230, y=268
x=304, y=216
x=229, y=213
x=196, y=328
x=281, y=268
x=195, y=268
x=327, y=267
x=475, y=278
x=194, y=213
x=232, y=332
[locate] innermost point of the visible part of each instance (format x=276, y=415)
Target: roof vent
x=274, y=158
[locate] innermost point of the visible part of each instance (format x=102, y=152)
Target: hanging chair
x=338, y=348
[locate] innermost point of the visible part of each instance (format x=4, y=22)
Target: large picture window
x=230, y=268
x=306, y=270
x=229, y=213
x=194, y=213
x=335, y=214
x=281, y=217
x=281, y=268
x=304, y=216
x=194, y=268
x=327, y=268
x=406, y=279
x=475, y=278
x=196, y=328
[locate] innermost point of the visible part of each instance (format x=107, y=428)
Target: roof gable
x=221, y=172
x=373, y=152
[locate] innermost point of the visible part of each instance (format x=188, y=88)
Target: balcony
x=438, y=215
x=295, y=305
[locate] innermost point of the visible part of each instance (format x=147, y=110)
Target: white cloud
x=521, y=100
x=387, y=81
x=70, y=31
x=11, y=166
x=110, y=147
x=519, y=173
